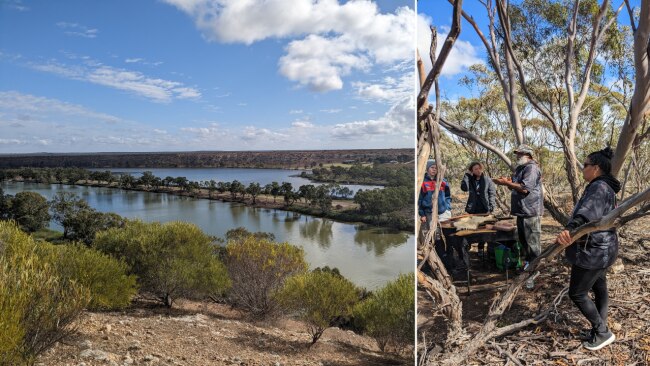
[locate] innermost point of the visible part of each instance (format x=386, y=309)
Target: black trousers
x=583, y=280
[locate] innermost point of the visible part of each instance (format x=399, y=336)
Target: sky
x=188, y=75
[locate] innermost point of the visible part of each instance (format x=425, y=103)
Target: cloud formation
x=398, y=121
x=462, y=55
x=155, y=89
x=78, y=30
x=338, y=38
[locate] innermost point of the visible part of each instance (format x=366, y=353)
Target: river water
x=246, y=176
x=367, y=255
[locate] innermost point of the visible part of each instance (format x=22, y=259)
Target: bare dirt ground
x=555, y=341
x=199, y=333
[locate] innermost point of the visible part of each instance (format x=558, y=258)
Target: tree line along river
x=369, y=256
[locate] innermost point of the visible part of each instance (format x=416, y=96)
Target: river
x=367, y=255
x=244, y=175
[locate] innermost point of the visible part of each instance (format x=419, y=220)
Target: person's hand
x=500, y=181
x=564, y=238
x=423, y=219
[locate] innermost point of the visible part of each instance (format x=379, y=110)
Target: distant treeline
x=207, y=159
x=393, y=175
x=390, y=207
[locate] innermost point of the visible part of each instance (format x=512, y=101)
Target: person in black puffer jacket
x=591, y=256
x=482, y=193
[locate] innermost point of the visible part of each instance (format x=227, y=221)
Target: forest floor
x=201, y=333
x=555, y=341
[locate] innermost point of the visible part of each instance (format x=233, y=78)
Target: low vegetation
x=319, y=298
x=171, y=260
x=37, y=304
x=388, y=314
x=258, y=268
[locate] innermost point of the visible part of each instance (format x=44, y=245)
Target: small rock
x=617, y=326
x=150, y=358
x=107, y=328
x=127, y=360
x=135, y=345
x=86, y=344
x=105, y=337
x=95, y=354
x=618, y=266
x=80, y=364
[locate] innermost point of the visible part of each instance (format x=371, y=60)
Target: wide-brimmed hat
x=524, y=149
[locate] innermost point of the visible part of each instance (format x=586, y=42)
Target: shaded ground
x=198, y=333
x=555, y=342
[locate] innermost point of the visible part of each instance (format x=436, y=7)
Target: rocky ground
x=555, y=342
x=196, y=333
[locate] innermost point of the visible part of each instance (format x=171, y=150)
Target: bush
x=388, y=315
x=320, y=297
x=106, y=277
x=30, y=210
x=171, y=260
x=37, y=306
x=258, y=268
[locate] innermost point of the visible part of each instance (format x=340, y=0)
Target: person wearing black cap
x=590, y=257
x=527, y=202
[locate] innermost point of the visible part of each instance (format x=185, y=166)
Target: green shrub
x=30, y=210
x=258, y=268
x=388, y=315
x=319, y=297
x=106, y=277
x=170, y=260
x=37, y=307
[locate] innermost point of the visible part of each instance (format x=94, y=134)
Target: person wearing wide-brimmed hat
x=527, y=201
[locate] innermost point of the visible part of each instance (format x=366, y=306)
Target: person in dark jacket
x=591, y=256
x=482, y=193
x=425, y=204
x=526, y=202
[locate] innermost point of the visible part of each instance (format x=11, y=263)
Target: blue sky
x=174, y=75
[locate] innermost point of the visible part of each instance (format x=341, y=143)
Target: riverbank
x=341, y=210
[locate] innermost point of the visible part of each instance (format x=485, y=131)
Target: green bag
x=506, y=257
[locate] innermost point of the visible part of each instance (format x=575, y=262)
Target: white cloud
x=338, y=38
x=15, y=5
x=397, y=121
x=158, y=90
x=387, y=90
x=139, y=60
x=302, y=124
x=12, y=142
x=252, y=133
x=334, y=110
x=15, y=102
x=319, y=62
x=462, y=55
x=74, y=29
x=295, y=111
